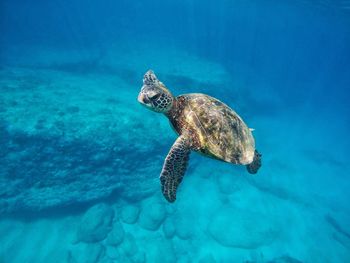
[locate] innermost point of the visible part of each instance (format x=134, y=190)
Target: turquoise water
x=80, y=158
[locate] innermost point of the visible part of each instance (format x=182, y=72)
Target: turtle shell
x=221, y=133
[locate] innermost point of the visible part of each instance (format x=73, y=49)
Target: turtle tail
x=254, y=166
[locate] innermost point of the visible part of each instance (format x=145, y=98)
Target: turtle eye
x=154, y=96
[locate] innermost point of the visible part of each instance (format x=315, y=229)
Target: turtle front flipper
x=174, y=167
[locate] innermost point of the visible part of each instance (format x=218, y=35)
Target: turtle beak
x=143, y=99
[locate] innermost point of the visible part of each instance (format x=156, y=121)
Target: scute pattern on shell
x=219, y=131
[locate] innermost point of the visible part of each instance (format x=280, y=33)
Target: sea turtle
x=204, y=125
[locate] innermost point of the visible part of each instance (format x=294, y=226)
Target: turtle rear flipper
x=174, y=167
x=254, y=166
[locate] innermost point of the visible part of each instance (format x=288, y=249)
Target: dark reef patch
x=42, y=171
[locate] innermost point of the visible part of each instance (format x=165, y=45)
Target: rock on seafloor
x=152, y=215
x=184, y=230
x=177, y=225
x=233, y=227
x=165, y=254
x=86, y=253
x=96, y=223
x=169, y=228
x=116, y=236
x=129, y=246
x=129, y=214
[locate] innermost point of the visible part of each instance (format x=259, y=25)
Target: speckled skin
x=215, y=129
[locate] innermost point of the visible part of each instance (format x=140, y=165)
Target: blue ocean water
x=80, y=158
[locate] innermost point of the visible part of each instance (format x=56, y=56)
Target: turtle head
x=154, y=95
